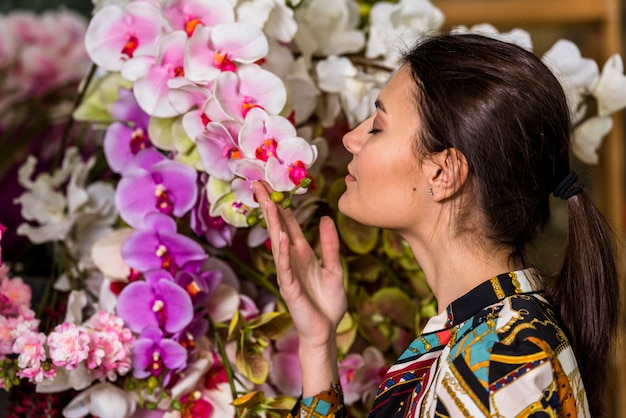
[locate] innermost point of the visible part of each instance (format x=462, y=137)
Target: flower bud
x=286, y=203
x=252, y=220
x=305, y=182
x=277, y=197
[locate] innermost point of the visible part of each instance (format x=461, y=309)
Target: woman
x=468, y=140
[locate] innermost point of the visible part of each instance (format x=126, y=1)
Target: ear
x=448, y=173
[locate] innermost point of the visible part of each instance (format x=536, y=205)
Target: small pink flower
x=359, y=374
x=68, y=345
x=30, y=347
x=110, y=354
x=15, y=290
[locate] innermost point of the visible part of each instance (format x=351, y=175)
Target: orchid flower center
x=167, y=262
x=193, y=289
x=297, y=171
x=247, y=105
x=138, y=141
x=179, y=72
x=223, y=63
x=130, y=46
x=188, y=341
x=205, y=119
x=164, y=203
x=190, y=25
x=157, y=306
x=266, y=150
x=156, y=367
x=231, y=153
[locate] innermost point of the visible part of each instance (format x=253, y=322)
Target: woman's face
x=385, y=186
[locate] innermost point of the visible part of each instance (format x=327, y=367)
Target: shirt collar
x=486, y=294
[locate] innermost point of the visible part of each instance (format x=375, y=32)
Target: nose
x=353, y=139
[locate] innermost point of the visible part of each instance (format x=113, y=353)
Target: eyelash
x=374, y=131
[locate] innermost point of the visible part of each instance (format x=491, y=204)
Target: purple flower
x=128, y=135
x=158, y=246
x=214, y=229
x=156, y=302
x=199, y=286
x=167, y=186
x=154, y=355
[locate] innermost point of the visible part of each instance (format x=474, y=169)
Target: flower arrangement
x=171, y=308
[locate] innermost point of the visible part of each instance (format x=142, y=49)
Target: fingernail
x=280, y=236
x=266, y=202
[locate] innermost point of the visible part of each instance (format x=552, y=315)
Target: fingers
x=329, y=240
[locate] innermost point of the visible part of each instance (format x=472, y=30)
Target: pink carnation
x=7, y=328
x=68, y=345
x=30, y=347
x=110, y=354
x=15, y=290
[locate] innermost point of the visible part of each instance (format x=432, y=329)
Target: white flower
x=393, y=26
x=576, y=74
x=516, y=36
x=273, y=16
x=79, y=217
x=588, y=138
x=103, y=400
x=328, y=27
x=610, y=91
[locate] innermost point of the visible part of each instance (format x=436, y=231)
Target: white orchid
x=588, y=138
x=273, y=16
x=328, y=27
x=516, y=36
x=393, y=26
x=77, y=217
x=102, y=400
x=610, y=91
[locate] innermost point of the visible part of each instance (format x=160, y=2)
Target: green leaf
x=101, y=94
x=395, y=305
x=160, y=133
x=359, y=238
x=250, y=361
x=271, y=325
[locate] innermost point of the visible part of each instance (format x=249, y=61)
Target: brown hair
x=507, y=113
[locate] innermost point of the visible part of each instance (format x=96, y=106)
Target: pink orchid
x=68, y=345
x=152, y=89
x=187, y=15
x=211, y=50
x=360, y=374
x=250, y=87
x=286, y=170
x=216, y=147
x=116, y=35
x=285, y=373
x=247, y=171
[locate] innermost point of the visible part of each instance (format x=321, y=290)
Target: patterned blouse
x=499, y=350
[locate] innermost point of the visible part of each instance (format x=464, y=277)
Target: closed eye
x=373, y=131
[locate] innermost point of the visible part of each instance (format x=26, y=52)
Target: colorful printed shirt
x=496, y=351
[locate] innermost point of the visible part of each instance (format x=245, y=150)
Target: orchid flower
x=187, y=15
x=159, y=246
x=167, y=186
x=128, y=135
x=576, y=74
x=102, y=400
x=151, y=87
x=214, y=229
x=154, y=355
x=250, y=87
x=273, y=16
x=200, y=286
x=216, y=146
x=610, y=91
x=392, y=22
x=211, y=50
x=158, y=301
x=328, y=27
x=224, y=203
x=588, y=138
x=117, y=34
x=296, y=156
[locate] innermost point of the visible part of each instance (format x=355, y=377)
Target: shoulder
x=515, y=355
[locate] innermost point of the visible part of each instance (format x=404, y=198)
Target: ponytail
x=587, y=294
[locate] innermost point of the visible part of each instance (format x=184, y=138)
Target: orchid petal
x=215, y=147
x=115, y=34
x=588, y=138
x=611, y=88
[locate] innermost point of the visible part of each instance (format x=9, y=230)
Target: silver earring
x=431, y=193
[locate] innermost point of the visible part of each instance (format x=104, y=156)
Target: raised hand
x=312, y=289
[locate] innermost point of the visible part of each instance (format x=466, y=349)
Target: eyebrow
x=379, y=105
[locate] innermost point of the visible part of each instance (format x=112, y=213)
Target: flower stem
x=260, y=279
x=225, y=361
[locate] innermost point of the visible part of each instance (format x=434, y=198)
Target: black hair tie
x=565, y=190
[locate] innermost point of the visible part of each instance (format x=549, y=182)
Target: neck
x=453, y=266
